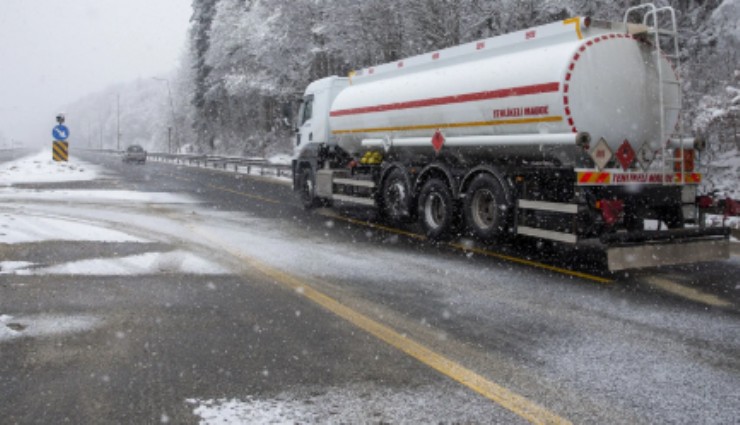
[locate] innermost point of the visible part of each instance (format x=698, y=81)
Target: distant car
x=134, y=153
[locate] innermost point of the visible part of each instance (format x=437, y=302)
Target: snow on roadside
x=8, y=267
x=356, y=403
x=40, y=168
x=42, y=325
x=135, y=265
x=23, y=228
x=723, y=175
x=281, y=159
x=93, y=196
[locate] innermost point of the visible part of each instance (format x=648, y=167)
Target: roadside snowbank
x=356, y=403
x=40, y=168
x=41, y=325
x=21, y=227
x=93, y=196
x=180, y=262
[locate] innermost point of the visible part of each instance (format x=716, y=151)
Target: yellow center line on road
x=487, y=253
x=686, y=292
x=246, y=195
x=374, y=225
x=504, y=397
x=531, y=263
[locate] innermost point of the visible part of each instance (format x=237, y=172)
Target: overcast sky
x=53, y=52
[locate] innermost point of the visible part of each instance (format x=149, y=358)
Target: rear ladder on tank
x=662, y=28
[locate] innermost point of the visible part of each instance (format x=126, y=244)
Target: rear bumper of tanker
x=636, y=250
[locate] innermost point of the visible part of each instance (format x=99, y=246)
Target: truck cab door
x=304, y=133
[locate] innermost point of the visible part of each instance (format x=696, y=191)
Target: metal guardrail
x=250, y=166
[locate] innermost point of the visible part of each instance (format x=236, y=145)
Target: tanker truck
x=568, y=132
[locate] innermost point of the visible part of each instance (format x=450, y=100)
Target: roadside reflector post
x=60, y=151
x=60, y=147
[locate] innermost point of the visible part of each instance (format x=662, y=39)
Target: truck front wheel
x=436, y=209
x=486, y=208
x=396, y=198
x=307, y=189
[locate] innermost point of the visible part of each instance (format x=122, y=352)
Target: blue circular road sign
x=60, y=132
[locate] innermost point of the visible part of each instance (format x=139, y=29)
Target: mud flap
x=666, y=254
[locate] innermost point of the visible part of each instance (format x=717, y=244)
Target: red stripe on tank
x=449, y=100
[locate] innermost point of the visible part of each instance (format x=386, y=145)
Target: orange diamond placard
x=626, y=155
x=438, y=140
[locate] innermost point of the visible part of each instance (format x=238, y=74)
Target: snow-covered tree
x=247, y=61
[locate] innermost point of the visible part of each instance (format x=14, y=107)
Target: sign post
x=60, y=147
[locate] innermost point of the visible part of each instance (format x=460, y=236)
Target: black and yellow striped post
x=60, y=151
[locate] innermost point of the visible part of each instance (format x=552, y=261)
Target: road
x=253, y=310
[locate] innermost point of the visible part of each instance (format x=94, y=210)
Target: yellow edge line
x=687, y=292
x=247, y=195
x=376, y=226
x=452, y=125
x=478, y=251
x=532, y=263
x=510, y=400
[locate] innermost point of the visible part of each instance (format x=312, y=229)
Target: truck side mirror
x=288, y=114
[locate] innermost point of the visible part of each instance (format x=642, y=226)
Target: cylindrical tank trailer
x=550, y=84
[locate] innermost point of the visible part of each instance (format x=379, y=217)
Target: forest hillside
x=248, y=61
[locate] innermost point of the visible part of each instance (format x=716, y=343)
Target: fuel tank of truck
x=550, y=82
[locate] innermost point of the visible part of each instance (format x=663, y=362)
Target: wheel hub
x=434, y=210
x=484, y=209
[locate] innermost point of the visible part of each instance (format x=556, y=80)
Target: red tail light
x=704, y=201
x=612, y=210
x=732, y=208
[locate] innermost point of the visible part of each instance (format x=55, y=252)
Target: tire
x=307, y=189
x=486, y=209
x=436, y=209
x=396, y=198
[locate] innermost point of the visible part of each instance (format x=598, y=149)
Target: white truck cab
x=313, y=116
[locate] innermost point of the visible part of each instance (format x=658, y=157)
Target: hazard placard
x=645, y=156
x=438, y=140
x=601, y=154
x=625, y=155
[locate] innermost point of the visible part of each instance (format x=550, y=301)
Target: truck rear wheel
x=396, y=198
x=486, y=208
x=436, y=209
